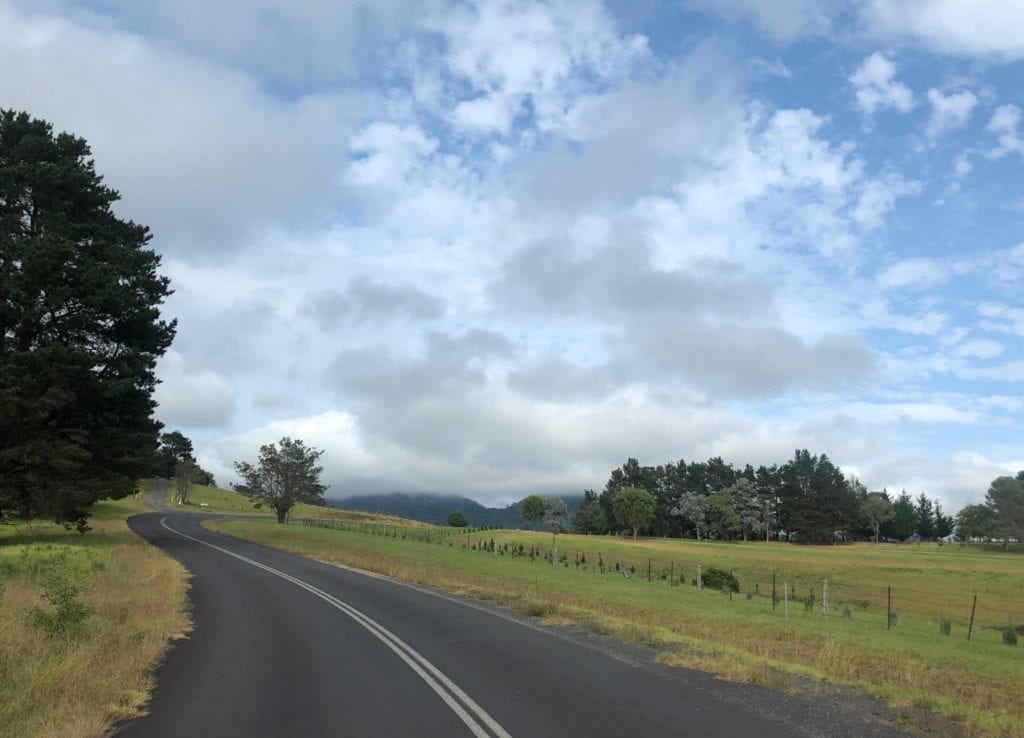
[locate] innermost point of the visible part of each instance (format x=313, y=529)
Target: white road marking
x=445, y=688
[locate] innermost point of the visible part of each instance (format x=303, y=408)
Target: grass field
x=977, y=682
x=226, y=501
x=66, y=671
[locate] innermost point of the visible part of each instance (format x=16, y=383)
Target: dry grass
x=976, y=683
x=78, y=684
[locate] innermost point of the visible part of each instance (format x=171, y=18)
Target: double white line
x=475, y=717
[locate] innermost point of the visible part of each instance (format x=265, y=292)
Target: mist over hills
x=435, y=508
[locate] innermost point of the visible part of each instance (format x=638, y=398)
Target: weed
x=1009, y=635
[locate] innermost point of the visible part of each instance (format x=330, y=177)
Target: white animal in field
x=204, y=505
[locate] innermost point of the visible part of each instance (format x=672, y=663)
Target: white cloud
x=1004, y=318
x=949, y=111
x=190, y=396
x=914, y=274
x=785, y=20
x=165, y=128
x=985, y=28
x=962, y=166
x=965, y=475
x=1004, y=124
x=980, y=348
x=878, y=197
x=516, y=53
x=876, y=89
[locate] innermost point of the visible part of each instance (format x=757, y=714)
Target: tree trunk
x=282, y=514
x=635, y=532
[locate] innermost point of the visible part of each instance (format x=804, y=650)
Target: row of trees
x=807, y=499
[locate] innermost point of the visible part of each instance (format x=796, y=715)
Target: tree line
x=807, y=499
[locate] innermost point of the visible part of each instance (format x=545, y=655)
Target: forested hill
x=435, y=508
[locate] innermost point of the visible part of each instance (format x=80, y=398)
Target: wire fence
x=986, y=617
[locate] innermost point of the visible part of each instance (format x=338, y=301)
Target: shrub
x=945, y=626
x=1010, y=635
x=715, y=578
x=63, y=594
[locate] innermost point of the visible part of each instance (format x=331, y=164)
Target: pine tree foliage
x=80, y=329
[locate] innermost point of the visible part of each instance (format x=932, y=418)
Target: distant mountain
x=434, y=508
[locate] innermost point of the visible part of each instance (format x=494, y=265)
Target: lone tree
x=286, y=474
x=633, y=508
x=185, y=473
x=80, y=330
x=876, y=509
x=555, y=512
x=533, y=508
x=457, y=520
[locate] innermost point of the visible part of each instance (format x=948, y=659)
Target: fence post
x=700, y=580
x=970, y=628
x=671, y=573
x=773, y=590
x=648, y=570
x=785, y=598
x=888, y=609
x=824, y=599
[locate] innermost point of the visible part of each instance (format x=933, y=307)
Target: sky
x=495, y=248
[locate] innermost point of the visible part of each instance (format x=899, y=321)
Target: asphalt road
x=288, y=646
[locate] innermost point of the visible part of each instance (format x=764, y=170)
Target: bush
x=64, y=595
x=945, y=626
x=1010, y=635
x=715, y=578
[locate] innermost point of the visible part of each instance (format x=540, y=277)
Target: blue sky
x=495, y=248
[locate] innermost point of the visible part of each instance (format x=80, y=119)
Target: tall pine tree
x=80, y=329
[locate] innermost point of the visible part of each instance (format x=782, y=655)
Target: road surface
x=287, y=646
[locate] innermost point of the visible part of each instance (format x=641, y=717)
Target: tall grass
x=977, y=682
x=83, y=620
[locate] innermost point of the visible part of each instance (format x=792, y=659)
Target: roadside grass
x=69, y=671
x=226, y=501
x=976, y=683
